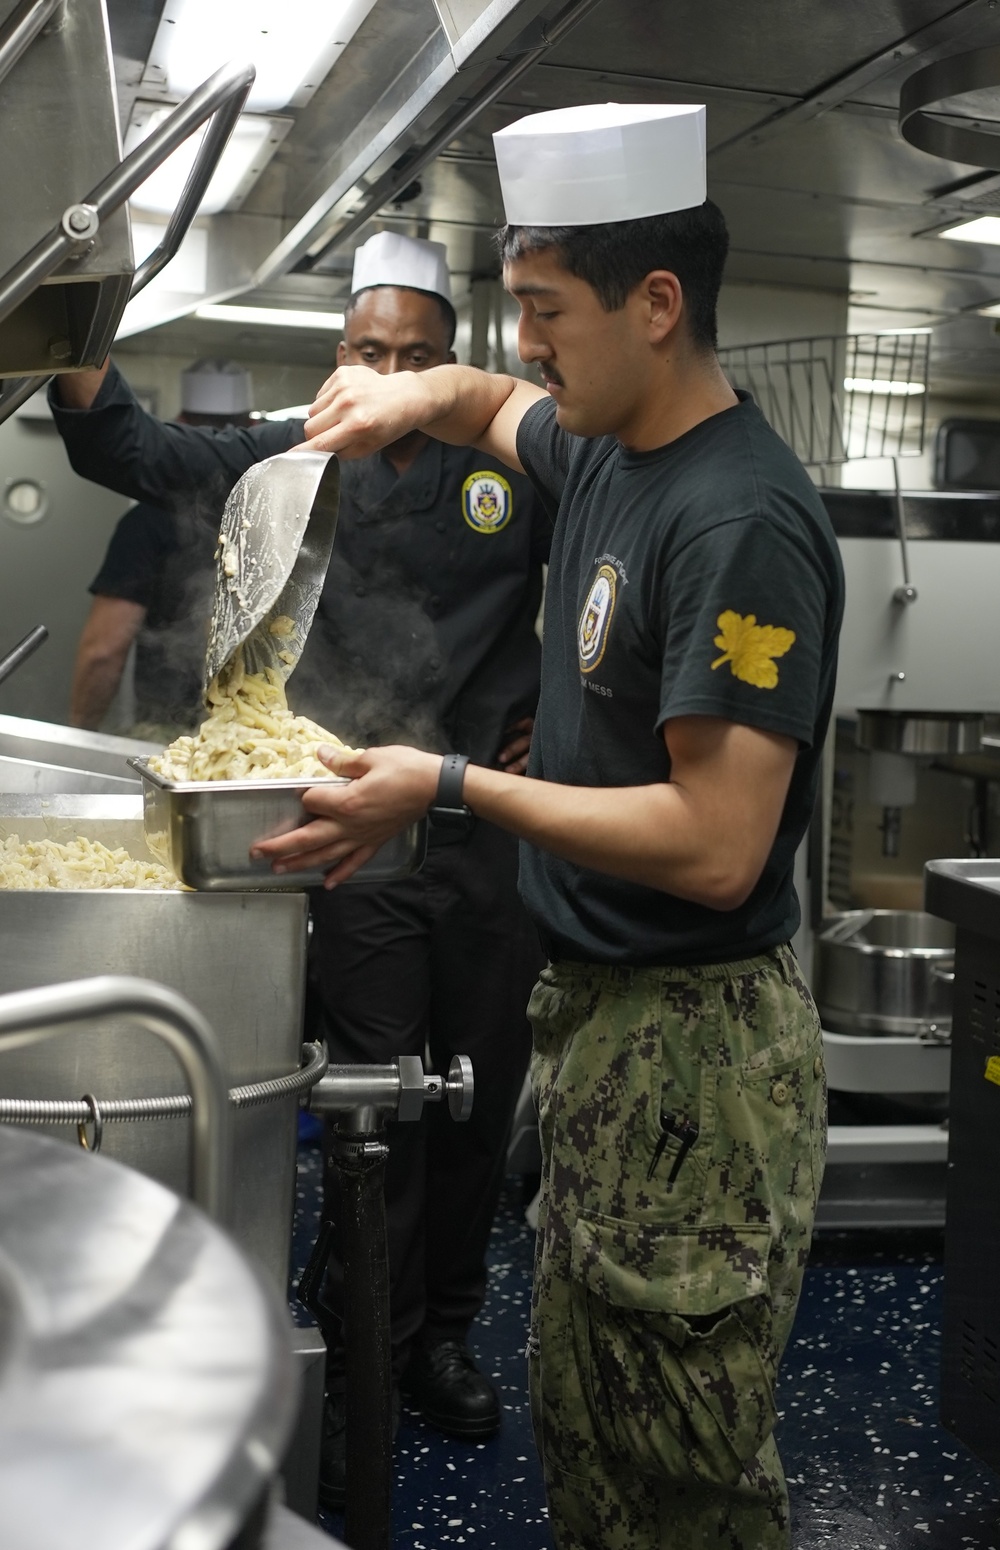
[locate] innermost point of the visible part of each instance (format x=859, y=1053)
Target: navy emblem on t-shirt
x=487, y=501
x=595, y=620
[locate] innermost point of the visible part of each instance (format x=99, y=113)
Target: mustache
x=550, y=374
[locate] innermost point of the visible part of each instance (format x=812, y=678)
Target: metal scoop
x=274, y=551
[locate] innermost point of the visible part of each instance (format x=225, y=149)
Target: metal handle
x=22, y=651
x=221, y=99
x=907, y=593
x=30, y=1016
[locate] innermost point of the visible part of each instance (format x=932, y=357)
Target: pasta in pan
x=250, y=735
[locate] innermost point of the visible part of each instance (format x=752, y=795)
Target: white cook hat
x=607, y=162
x=216, y=387
x=389, y=258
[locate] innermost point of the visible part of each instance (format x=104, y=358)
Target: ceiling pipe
x=393, y=181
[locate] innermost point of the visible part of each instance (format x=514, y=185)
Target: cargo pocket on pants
x=670, y=1327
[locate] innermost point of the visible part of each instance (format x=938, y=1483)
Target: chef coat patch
x=487, y=501
x=595, y=620
x=750, y=648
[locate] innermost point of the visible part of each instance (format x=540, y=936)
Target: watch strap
x=448, y=801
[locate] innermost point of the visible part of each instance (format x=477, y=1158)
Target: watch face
x=455, y=819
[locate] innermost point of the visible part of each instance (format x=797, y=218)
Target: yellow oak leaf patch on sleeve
x=750, y=648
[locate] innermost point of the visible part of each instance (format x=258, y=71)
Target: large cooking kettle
x=147, y=1389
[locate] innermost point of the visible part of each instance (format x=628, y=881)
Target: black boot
x=333, y=1448
x=450, y=1392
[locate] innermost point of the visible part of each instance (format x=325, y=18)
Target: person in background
x=154, y=588
x=425, y=633
x=692, y=615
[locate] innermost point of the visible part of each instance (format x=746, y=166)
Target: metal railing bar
x=21, y=29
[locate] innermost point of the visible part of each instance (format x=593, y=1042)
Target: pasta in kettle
x=77, y=863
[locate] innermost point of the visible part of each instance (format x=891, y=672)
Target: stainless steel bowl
x=205, y=830
x=885, y=972
x=888, y=731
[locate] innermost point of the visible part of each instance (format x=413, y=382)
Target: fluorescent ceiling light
x=293, y=44
x=269, y=317
x=883, y=385
x=251, y=146
x=985, y=228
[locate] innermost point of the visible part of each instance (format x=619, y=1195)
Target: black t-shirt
x=702, y=578
x=164, y=562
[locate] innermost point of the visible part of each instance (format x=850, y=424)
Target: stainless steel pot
x=885, y=972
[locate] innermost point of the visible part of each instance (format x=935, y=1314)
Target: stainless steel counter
x=965, y=892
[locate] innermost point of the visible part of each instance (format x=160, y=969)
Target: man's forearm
x=467, y=401
x=78, y=389
x=358, y=411
x=647, y=834
x=95, y=685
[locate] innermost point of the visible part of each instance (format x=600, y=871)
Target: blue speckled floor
x=868, y=1464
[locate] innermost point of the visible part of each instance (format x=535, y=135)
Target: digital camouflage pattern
x=683, y=1121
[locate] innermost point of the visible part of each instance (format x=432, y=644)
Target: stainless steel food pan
x=885, y=972
x=205, y=829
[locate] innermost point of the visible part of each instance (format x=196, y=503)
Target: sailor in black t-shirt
x=695, y=597
x=425, y=633
x=154, y=587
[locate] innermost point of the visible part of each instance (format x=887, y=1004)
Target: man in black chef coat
x=425, y=633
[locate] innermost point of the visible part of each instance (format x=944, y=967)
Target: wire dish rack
x=839, y=397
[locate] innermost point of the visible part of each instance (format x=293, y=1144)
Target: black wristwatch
x=448, y=805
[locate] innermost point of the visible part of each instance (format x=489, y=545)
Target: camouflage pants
x=683, y=1119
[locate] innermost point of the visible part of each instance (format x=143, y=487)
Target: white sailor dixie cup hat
x=216, y=387
x=607, y=162
x=389, y=258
